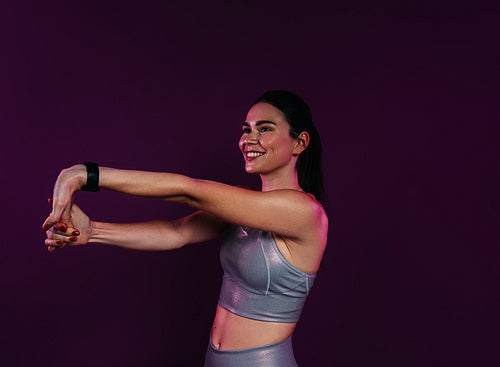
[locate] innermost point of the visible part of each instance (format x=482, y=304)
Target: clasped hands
x=75, y=231
x=67, y=224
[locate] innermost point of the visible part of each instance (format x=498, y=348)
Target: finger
x=54, y=243
x=61, y=212
x=61, y=226
x=64, y=230
x=61, y=237
x=51, y=249
x=49, y=222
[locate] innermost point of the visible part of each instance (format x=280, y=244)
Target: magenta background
x=404, y=97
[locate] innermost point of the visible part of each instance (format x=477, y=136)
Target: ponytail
x=309, y=167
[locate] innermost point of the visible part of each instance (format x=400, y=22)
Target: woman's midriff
x=232, y=332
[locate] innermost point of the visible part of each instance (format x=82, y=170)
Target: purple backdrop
x=403, y=96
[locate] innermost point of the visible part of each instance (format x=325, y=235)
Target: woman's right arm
x=158, y=235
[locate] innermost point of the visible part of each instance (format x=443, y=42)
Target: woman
x=275, y=238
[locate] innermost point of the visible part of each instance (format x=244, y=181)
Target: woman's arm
x=286, y=212
x=156, y=235
x=159, y=235
x=137, y=183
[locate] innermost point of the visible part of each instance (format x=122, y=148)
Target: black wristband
x=92, y=177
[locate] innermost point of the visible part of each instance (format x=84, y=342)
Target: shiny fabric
x=273, y=355
x=259, y=283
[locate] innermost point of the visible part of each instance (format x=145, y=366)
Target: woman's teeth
x=254, y=154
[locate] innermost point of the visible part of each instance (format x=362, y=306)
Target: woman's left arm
x=286, y=212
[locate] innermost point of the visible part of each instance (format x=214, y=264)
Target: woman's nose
x=252, y=137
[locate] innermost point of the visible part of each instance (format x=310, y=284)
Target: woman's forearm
x=150, y=236
x=160, y=185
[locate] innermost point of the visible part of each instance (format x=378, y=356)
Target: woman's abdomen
x=233, y=332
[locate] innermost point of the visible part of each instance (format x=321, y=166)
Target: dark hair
x=298, y=116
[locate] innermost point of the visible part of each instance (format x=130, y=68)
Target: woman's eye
x=264, y=129
x=246, y=131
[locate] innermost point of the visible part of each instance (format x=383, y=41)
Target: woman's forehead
x=265, y=112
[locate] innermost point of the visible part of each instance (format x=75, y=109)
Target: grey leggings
x=273, y=355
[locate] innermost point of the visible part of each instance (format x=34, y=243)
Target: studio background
x=404, y=98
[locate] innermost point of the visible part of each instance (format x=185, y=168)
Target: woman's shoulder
x=305, y=205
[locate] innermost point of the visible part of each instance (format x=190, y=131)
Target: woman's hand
x=68, y=182
x=77, y=233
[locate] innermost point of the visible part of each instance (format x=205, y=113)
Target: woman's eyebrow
x=261, y=122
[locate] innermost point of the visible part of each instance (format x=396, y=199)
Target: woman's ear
x=302, y=142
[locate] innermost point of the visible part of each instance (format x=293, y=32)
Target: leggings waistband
x=274, y=355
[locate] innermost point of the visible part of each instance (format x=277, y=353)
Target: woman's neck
x=280, y=181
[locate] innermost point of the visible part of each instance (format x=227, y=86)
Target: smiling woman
x=267, y=145
x=272, y=250
x=299, y=119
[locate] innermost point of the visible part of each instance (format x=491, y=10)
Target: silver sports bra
x=259, y=283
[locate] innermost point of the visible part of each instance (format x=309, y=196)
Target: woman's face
x=266, y=143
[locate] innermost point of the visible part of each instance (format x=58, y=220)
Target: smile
x=253, y=154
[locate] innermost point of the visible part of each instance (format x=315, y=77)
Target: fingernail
x=73, y=239
x=75, y=233
x=59, y=242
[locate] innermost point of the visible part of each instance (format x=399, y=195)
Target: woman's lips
x=252, y=154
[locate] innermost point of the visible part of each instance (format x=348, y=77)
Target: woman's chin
x=251, y=170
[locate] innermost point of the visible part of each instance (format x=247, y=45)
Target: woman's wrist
x=76, y=176
x=93, y=232
x=92, y=183
x=103, y=233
